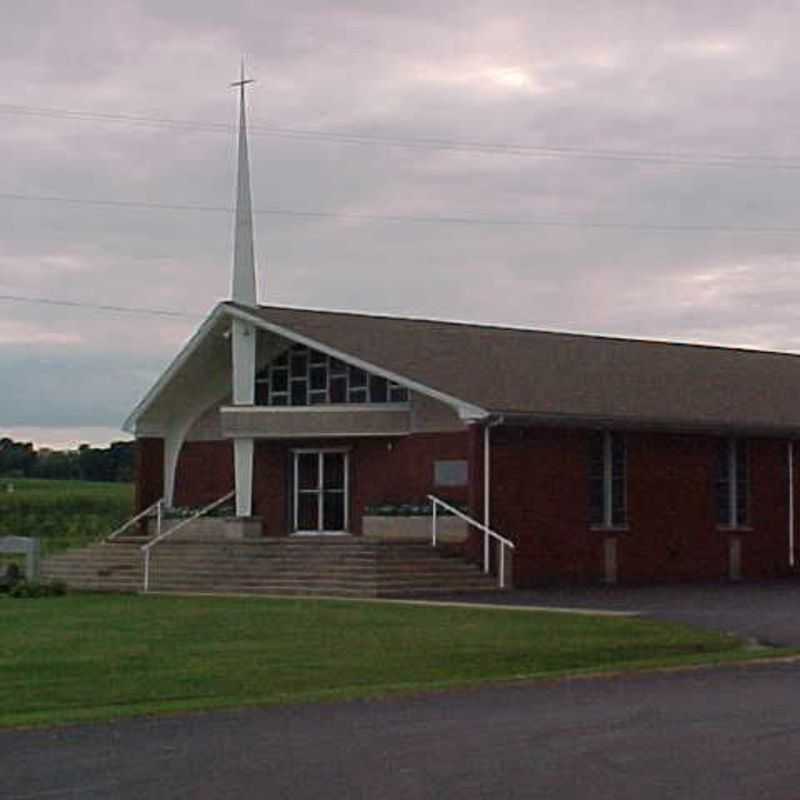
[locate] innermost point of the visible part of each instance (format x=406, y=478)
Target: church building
x=600, y=459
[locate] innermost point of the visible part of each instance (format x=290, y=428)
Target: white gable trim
x=465, y=410
x=174, y=367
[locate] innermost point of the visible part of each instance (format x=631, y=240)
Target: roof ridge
x=523, y=329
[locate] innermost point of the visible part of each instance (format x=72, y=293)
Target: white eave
x=466, y=411
x=174, y=367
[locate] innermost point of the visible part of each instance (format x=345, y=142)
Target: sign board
x=23, y=545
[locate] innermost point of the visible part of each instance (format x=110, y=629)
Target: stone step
x=303, y=578
x=275, y=545
x=312, y=579
x=366, y=588
x=262, y=563
x=278, y=592
x=320, y=587
x=268, y=564
x=198, y=562
x=290, y=567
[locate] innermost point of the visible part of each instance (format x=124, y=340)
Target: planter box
x=450, y=530
x=211, y=529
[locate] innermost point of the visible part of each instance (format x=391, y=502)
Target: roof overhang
x=175, y=366
x=656, y=425
x=465, y=410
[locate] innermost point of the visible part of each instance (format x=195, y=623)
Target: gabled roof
x=537, y=375
x=562, y=376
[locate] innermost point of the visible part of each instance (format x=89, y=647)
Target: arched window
x=301, y=376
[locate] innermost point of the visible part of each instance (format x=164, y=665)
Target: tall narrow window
x=732, y=484
x=607, y=480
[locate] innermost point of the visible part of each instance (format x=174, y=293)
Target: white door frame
x=319, y=491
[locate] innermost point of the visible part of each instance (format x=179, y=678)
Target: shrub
x=25, y=590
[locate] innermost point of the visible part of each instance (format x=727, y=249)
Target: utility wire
x=160, y=312
x=766, y=161
x=401, y=218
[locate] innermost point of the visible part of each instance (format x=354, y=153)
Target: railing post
x=145, y=548
x=487, y=532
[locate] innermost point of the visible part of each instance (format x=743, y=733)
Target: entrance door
x=320, y=491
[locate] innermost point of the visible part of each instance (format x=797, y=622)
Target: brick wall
x=540, y=495
x=149, y=471
x=404, y=473
x=204, y=474
x=382, y=470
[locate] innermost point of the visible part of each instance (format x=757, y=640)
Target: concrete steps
x=340, y=567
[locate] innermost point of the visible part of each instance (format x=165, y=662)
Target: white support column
x=173, y=442
x=790, y=464
x=243, y=343
x=486, y=494
x=243, y=467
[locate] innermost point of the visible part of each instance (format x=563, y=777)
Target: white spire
x=243, y=289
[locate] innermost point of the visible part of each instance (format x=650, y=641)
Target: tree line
x=86, y=463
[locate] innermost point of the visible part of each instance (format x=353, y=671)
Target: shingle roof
x=562, y=375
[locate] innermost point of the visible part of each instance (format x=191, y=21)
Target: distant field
x=62, y=513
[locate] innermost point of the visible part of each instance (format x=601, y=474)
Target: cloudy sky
x=628, y=168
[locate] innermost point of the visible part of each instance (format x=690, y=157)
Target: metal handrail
x=502, y=542
x=158, y=506
x=145, y=548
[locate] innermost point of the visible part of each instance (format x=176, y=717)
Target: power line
x=403, y=218
x=766, y=161
x=161, y=312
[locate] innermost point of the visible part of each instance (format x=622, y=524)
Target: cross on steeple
x=242, y=82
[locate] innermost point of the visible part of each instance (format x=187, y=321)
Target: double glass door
x=320, y=491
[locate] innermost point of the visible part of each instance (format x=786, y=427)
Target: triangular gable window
x=301, y=376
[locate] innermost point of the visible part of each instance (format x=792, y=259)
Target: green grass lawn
x=93, y=657
x=63, y=513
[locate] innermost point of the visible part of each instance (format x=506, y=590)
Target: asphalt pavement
x=723, y=733
x=767, y=612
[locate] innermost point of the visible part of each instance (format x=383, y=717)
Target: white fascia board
x=465, y=410
x=358, y=408
x=175, y=366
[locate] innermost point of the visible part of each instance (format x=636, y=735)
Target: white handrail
x=145, y=548
x=502, y=542
x=158, y=505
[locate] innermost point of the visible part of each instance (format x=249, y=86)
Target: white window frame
x=734, y=453
x=608, y=483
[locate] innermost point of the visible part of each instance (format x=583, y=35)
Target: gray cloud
x=710, y=78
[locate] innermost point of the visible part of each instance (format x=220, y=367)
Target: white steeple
x=243, y=288
x=243, y=334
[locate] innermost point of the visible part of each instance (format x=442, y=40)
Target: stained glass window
x=301, y=376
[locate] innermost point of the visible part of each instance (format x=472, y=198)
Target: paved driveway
x=768, y=612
